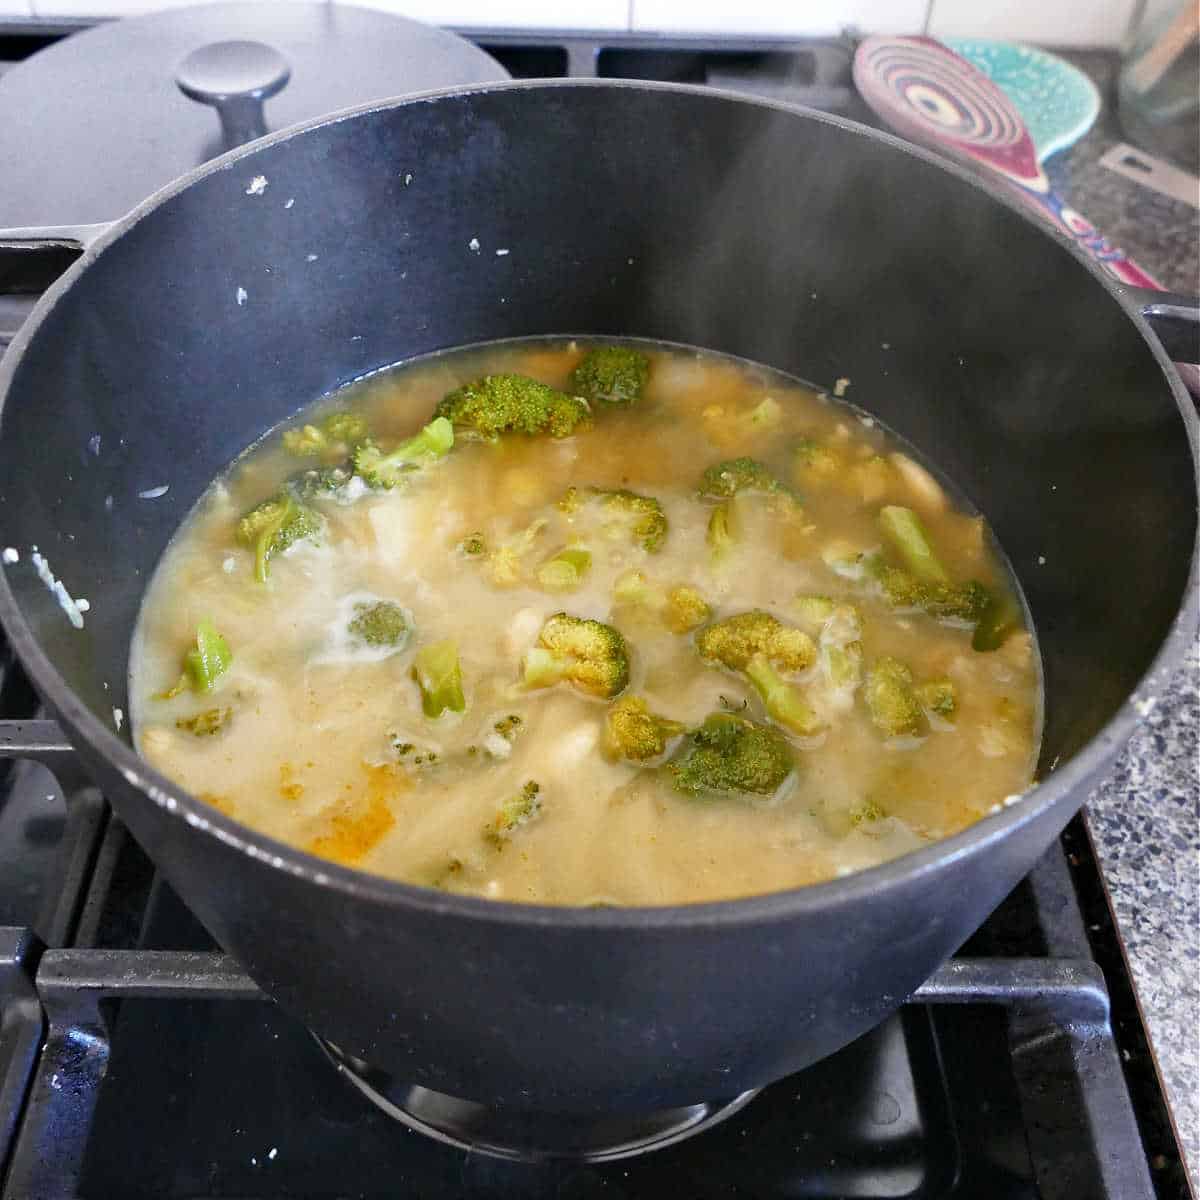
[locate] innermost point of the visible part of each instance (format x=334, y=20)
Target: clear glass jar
x=1158, y=89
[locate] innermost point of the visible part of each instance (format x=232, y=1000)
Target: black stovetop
x=138, y=1061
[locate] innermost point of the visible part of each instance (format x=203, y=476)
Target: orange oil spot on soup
x=357, y=825
x=289, y=789
x=219, y=802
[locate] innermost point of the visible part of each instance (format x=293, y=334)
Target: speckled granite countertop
x=1145, y=818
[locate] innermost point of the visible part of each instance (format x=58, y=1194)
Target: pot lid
x=95, y=123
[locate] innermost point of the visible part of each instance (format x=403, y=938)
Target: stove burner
x=524, y=1136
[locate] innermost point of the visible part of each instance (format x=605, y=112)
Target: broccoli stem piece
x=728, y=753
x=892, y=702
x=379, y=470
x=908, y=536
x=439, y=676
x=782, y=700
x=724, y=529
x=812, y=612
x=611, y=375
x=564, y=571
x=204, y=663
x=999, y=618
x=588, y=654
x=632, y=731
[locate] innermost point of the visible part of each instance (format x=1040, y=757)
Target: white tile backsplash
x=793, y=17
x=1053, y=23
x=519, y=14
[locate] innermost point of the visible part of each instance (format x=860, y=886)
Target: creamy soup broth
x=321, y=739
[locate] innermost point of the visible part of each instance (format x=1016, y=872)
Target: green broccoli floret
x=724, y=531
x=337, y=429
x=892, y=702
x=473, y=545
x=783, y=701
x=565, y=570
x=515, y=812
x=685, y=609
x=812, y=459
x=379, y=470
x=938, y=696
x=508, y=727
x=947, y=601
x=506, y=562
x=611, y=375
x=205, y=724
x=649, y=520
x=319, y=482
x=499, y=404
x=725, y=479
x=439, y=676
x=734, y=641
x=731, y=754
x=632, y=731
x=383, y=623
x=588, y=654
x=274, y=525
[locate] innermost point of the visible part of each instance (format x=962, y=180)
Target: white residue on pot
x=258, y=185
x=94, y=444
x=118, y=719
x=57, y=590
x=289, y=202
x=11, y=555
x=503, y=252
x=310, y=258
x=241, y=296
x=155, y=492
x=407, y=178
x=1041, y=560
x=108, y=504
x=473, y=245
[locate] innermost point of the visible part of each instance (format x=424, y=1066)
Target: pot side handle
x=1175, y=319
x=31, y=259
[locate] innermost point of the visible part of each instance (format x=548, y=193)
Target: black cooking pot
x=787, y=237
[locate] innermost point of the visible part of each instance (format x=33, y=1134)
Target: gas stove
x=136, y=1059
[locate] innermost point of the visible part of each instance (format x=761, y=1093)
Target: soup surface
x=784, y=653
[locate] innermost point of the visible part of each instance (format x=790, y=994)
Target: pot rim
x=772, y=906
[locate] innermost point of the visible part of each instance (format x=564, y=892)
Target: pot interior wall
x=773, y=235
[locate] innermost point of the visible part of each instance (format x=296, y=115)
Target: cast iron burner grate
x=137, y=1060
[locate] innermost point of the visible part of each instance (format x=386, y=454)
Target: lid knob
x=235, y=78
